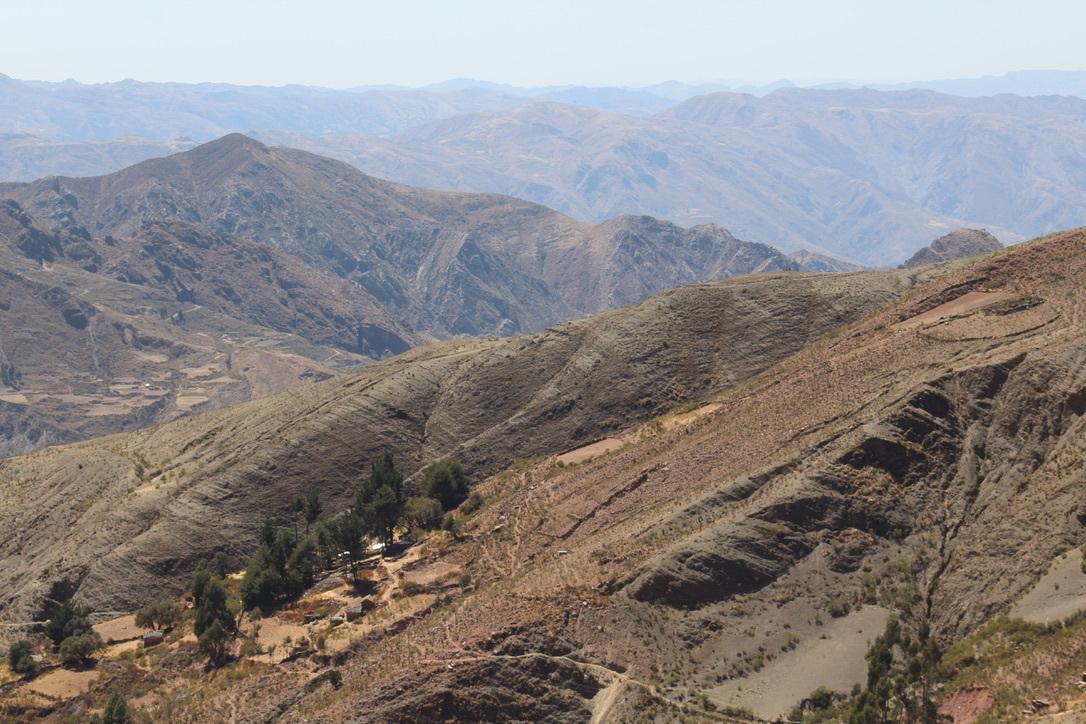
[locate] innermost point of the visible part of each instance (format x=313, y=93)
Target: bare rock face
x=534, y=689
x=955, y=245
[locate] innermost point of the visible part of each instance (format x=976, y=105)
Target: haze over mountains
x=479, y=402
x=233, y=270
x=862, y=174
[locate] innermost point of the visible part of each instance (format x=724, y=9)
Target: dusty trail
x=609, y=695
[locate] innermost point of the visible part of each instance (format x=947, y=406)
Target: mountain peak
x=229, y=143
x=955, y=245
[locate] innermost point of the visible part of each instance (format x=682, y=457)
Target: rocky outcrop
x=533, y=688
x=955, y=245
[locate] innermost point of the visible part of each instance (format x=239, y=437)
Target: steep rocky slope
x=251, y=281
x=926, y=460
x=955, y=245
x=442, y=263
x=103, y=334
x=484, y=402
x=283, y=248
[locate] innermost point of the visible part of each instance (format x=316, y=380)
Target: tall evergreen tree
x=380, y=502
x=446, y=482
x=312, y=509
x=212, y=608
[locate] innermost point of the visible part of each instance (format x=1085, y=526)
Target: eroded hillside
x=104, y=335
x=483, y=402
x=926, y=460
x=234, y=270
x=440, y=263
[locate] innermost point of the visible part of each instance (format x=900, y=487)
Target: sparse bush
x=446, y=482
x=819, y=706
x=162, y=614
x=20, y=658
x=449, y=523
x=838, y=607
x=77, y=650
x=335, y=678
x=422, y=512
x=251, y=648
x=116, y=712
x=213, y=641
x=473, y=503
x=68, y=620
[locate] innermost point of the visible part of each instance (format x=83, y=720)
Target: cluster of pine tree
x=287, y=561
x=70, y=628
x=214, y=624
x=282, y=567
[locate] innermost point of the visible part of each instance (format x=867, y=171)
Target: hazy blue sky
x=339, y=43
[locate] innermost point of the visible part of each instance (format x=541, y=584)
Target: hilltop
x=955, y=245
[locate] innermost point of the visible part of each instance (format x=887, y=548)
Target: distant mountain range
x=860, y=174
x=1021, y=82
x=445, y=263
x=71, y=111
x=865, y=175
x=203, y=111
